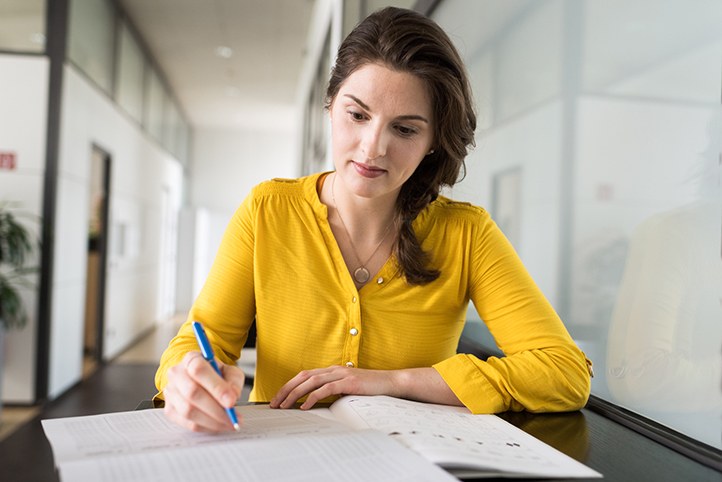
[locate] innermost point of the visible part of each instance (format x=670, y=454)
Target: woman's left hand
x=422, y=384
x=335, y=380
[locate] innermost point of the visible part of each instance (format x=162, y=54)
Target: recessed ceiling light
x=38, y=38
x=224, y=51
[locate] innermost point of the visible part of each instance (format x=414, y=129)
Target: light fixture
x=224, y=51
x=38, y=38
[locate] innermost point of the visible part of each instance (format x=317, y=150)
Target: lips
x=368, y=171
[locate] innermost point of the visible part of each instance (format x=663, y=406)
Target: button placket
x=352, y=345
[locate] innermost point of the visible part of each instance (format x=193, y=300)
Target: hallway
x=121, y=385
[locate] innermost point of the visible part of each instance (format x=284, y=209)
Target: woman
x=359, y=279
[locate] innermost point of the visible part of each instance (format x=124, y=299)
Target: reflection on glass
x=611, y=111
x=666, y=331
x=566, y=432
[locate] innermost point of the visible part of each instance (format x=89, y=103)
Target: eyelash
x=356, y=116
x=403, y=131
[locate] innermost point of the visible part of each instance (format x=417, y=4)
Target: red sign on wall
x=8, y=160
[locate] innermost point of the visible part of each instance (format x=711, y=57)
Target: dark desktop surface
x=618, y=453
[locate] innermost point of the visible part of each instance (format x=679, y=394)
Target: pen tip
x=236, y=427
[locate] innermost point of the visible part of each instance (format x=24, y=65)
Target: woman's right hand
x=196, y=396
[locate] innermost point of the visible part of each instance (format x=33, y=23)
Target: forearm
x=424, y=385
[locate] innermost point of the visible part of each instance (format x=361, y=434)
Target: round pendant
x=361, y=275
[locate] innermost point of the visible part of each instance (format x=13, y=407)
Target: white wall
x=226, y=164
x=200, y=235
x=139, y=174
x=23, y=97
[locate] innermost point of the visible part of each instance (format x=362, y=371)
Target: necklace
x=360, y=274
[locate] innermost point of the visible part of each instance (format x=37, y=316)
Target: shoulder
x=444, y=209
x=446, y=217
x=281, y=197
x=297, y=187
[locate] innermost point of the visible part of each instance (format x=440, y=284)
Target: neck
x=364, y=218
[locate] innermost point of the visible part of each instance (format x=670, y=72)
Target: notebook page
x=455, y=439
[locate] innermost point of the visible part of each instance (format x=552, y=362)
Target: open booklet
x=357, y=438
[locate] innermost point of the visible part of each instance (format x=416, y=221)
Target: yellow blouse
x=280, y=264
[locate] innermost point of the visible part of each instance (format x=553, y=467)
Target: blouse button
x=353, y=331
x=349, y=364
x=353, y=300
x=380, y=281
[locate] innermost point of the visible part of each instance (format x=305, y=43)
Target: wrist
x=422, y=384
x=404, y=383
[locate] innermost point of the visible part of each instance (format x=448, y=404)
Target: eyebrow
x=403, y=117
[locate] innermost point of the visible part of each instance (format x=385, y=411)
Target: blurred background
x=132, y=129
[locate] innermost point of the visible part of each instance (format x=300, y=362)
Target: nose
x=374, y=143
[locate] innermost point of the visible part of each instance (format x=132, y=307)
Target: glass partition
x=125, y=73
x=155, y=97
x=599, y=155
x=91, y=35
x=130, y=74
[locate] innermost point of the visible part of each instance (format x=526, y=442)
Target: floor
x=121, y=385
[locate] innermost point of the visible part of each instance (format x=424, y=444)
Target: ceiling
x=232, y=64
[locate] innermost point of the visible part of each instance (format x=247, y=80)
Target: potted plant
x=16, y=247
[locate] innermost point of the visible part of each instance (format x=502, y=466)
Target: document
x=466, y=445
x=359, y=438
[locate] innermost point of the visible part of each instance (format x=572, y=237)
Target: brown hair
x=407, y=41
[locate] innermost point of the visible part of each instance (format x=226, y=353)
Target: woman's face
x=381, y=122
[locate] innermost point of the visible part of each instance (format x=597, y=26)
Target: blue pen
x=207, y=352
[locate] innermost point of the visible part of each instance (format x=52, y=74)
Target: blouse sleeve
x=543, y=370
x=226, y=304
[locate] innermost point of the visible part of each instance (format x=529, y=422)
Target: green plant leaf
x=16, y=246
x=12, y=311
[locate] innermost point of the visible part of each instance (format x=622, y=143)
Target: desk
x=617, y=452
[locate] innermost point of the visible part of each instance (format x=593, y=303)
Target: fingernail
x=228, y=399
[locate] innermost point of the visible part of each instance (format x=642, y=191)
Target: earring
x=430, y=152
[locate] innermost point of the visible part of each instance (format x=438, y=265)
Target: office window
x=601, y=147
x=154, y=103
x=130, y=74
x=22, y=25
x=90, y=39
x=182, y=142
x=175, y=132
x=171, y=119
